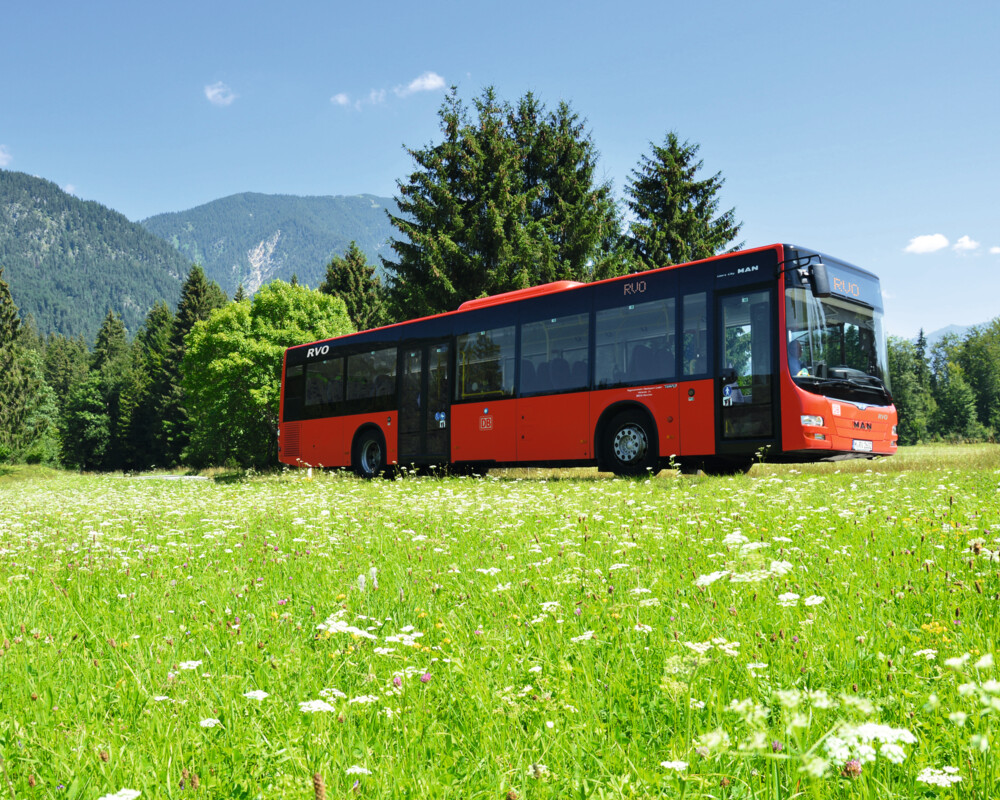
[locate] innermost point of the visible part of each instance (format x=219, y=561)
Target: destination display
x=853, y=285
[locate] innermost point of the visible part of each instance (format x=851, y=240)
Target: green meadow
x=808, y=631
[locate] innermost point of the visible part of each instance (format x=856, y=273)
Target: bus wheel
x=369, y=454
x=727, y=466
x=630, y=445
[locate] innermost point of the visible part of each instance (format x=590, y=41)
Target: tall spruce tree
x=351, y=278
x=142, y=397
x=13, y=389
x=112, y=367
x=911, y=391
x=507, y=199
x=199, y=297
x=575, y=214
x=676, y=214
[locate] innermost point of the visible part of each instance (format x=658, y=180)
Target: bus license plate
x=862, y=445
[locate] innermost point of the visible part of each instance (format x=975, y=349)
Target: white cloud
x=219, y=94
x=376, y=96
x=340, y=99
x=929, y=243
x=69, y=188
x=995, y=251
x=965, y=245
x=428, y=82
x=5, y=156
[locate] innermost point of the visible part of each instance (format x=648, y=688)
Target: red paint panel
x=697, y=415
x=484, y=431
x=554, y=428
x=327, y=442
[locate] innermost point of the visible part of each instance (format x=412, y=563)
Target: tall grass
x=800, y=631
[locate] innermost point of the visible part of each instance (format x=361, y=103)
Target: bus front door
x=425, y=403
x=746, y=374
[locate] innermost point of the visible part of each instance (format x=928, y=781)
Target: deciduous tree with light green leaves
x=232, y=370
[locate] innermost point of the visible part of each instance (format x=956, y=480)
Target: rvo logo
x=318, y=351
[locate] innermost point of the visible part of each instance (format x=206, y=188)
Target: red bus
x=776, y=353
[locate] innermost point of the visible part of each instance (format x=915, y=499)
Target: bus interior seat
x=527, y=376
x=560, y=374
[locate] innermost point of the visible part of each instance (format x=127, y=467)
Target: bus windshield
x=836, y=347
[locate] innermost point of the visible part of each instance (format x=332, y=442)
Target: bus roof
x=540, y=291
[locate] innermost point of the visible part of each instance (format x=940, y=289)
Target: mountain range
x=250, y=239
x=69, y=261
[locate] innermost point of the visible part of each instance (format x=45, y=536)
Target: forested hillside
x=251, y=239
x=68, y=261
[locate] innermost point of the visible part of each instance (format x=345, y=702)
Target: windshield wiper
x=870, y=384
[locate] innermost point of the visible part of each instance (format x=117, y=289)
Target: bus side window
x=635, y=343
x=485, y=364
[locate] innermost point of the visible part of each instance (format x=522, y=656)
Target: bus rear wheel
x=368, y=460
x=629, y=445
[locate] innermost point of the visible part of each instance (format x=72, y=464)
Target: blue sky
x=867, y=130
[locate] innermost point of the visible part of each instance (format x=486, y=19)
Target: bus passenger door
x=746, y=385
x=425, y=403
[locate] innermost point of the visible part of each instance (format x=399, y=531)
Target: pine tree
x=353, y=280
x=13, y=400
x=576, y=216
x=914, y=403
x=505, y=200
x=85, y=425
x=199, y=297
x=142, y=396
x=676, y=214
x=111, y=342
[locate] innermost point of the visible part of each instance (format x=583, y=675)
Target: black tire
x=368, y=458
x=690, y=467
x=727, y=466
x=629, y=446
x=469, y=469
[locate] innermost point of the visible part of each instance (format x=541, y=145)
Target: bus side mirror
x=819, y=279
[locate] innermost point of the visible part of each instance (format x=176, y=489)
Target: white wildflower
x=939, y=777
x=312, y=706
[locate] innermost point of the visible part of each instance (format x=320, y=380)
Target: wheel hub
x=631, y=444
x=371, y=457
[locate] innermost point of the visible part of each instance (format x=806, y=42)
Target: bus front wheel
x=369, y=454
x=629, y=444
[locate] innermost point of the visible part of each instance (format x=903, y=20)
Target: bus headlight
x=811, y=421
